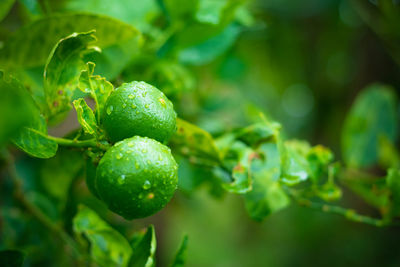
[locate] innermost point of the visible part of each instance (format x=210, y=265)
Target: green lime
x=137, y=177
x=138, y=108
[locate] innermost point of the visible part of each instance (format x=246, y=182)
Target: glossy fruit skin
x=137, y=177
x=138, y=108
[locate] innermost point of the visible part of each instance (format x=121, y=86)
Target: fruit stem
x=75, y=143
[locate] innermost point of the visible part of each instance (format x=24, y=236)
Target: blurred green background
x=300, y=62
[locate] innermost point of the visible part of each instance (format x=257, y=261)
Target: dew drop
x=146, y=106
x=121, y=179
x=109, y=110
x=137, y=112
x=146, y=185
x=124, y=105
x=119, y=156
x=137, y=166
x=131, y=144
x=162, y=101
x=133, y=106
x=140, y=195
x=160, y=158
x=131, y=96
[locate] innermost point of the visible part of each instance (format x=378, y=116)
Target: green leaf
x=138, y=14
x=267, y=195
x=393, y=182
x=295, y=167
x=318, y=158
x=171, y=77
x=62, y=71
x=373, y=115
x=258, y=133
x=211, y=48
x=33, y=138
x=242, y=156
x=179, y=260
x=16, y=107
x=144, y=250
x=179, y=10
x=209, y=11
x=194, y=142
x=32, y=7
x=98, y=88
x=5, y=6
x=26, y=52
x=32, y=44
x=85, y=116
x=11, y=258
x=388, y=154
x=108, y=246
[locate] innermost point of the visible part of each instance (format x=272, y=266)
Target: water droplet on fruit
x=137, y=112
x=137, y=166
x=121, y=179
x=140, y=196
x=144, y=150
x=131, y=144
x=119, y=156
x=133, y=106
x=144, y=94
x=109, y=110
x=131, y=96
x=124, y=105
x=146, y=106
x=162, y=101
x=160, y=158
x=146, y=185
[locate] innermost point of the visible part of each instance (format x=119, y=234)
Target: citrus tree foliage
x=73, y=60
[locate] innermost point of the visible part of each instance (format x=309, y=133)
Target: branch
x=348, y=213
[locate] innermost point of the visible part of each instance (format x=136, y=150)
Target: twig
x=348, y=213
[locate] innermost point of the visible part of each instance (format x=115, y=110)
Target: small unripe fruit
x=137, y=177
x=138, y=108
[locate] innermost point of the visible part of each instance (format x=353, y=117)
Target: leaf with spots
x=98, y=88
x=267, y=195
x=295, y=167
x=86, y=117
x=194, y=142
x=144, y=250
x=241, y=157
x=62, y=71
x=107, y=246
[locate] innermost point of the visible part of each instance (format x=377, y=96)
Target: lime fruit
x=137, y=177
x=138, y=108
